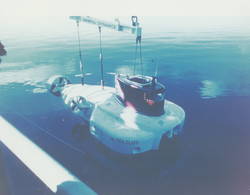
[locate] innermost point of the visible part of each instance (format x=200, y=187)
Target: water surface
x=204, y=63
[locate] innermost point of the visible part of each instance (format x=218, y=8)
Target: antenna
x=101, y=58
x=154, y=77
x=80, y=54
x=156, y=68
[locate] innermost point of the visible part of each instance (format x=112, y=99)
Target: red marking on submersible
x=129, y=105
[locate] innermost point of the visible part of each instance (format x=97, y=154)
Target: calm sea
x=204, y=63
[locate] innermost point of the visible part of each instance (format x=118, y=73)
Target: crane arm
x=112, y=25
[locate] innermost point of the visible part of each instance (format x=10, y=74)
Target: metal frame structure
x=136, y=30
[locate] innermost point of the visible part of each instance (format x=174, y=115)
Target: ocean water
x=204, y=63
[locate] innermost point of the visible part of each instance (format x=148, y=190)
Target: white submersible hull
x=132, y=121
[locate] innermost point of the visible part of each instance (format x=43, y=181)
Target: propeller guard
x=56, y=83
x=78, y=104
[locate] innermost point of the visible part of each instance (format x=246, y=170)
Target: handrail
x=51, y=172
x=147, y=78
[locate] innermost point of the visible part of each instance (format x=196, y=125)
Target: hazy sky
x=126, y=7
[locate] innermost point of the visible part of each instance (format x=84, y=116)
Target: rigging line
x=43, y=129
x=80, y=53
x=39, y=106
x=102, y=81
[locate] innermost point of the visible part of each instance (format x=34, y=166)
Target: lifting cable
x=138, y=39
x=102, y=81
x=80, y=53
x=135, y=54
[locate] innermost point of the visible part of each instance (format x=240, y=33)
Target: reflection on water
x=32, y=73
x=227, y=87
x=210, y=89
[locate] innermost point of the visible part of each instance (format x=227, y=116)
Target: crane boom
x=112, y=25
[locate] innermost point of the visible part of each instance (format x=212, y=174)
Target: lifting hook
x=134, y=23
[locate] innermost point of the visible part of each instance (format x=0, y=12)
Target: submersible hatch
x=132, y=119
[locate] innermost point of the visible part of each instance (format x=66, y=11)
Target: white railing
x=51, y=172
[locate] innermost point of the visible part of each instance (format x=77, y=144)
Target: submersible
x=130, y=120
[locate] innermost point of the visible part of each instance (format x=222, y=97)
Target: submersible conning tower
x=142, y=94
